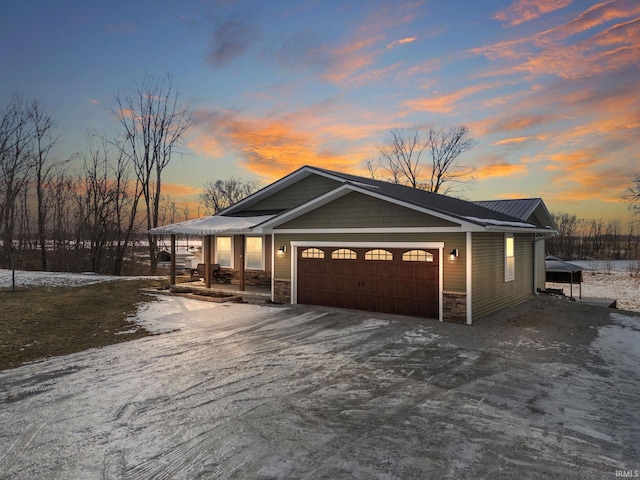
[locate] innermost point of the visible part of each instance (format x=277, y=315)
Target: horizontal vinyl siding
x=300, y=192
x=490, y=291
x=356, y=210
x=453, y=271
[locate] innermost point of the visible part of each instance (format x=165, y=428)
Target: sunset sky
x=549, y=88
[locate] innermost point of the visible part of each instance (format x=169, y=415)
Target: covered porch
x=234, y=257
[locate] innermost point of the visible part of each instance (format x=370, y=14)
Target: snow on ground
x=608, y=279
x=57, y=279
x=248, y=391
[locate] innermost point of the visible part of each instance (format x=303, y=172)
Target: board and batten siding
x=356, y=210
x=300, y=192
x=454, y=272
x=490, y=292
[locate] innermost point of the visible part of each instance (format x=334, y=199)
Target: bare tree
x=220, y=194
x=16, y=137
x=427, y=159
x=153, y=125
x=45, y=168
x=632, y=195
x=125, y=207
x=61, y=192
x=96, y=200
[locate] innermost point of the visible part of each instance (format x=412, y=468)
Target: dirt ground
x=549, y=389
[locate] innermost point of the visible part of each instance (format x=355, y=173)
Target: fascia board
x=505, y=229
x=371, y=230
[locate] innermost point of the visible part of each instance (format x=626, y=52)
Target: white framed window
x=509, y=257
x=344, y=254
x=253, y=254
x=224, y=252
x=378, y=254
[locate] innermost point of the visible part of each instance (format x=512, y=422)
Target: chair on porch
x=217, y=275
x=199, y=271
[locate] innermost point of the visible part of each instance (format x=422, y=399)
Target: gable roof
x=502, y=215
x=444, y=204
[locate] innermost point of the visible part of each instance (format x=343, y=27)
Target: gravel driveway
x=550, y=389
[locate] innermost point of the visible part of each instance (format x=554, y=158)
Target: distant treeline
x=55, y=217
x=580, y=238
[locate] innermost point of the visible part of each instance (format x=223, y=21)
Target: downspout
x=173, y=259
x=469, y=283
x=273, y=266
x=537, y=238
x=206, y=253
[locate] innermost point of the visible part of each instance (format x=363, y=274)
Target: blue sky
x=549, y=88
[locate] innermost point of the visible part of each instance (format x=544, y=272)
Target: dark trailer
x=558, y=271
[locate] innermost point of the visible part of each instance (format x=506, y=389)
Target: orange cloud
x=445, y=103
x=500, y=169
x=272, y=147
x=402, y=41
x=179, y=190
x=511, y=141
x=524, y=10
x=207, y=145
x=345, y=64
x=551, y=52
x=586, y=175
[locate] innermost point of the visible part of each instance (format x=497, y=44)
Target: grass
x=40, y=322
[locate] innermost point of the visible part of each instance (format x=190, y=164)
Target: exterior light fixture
x=453, y=254
x=282, y=250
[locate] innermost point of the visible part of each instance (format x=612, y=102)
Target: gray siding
x=296, y=194
x=356, y=210
x=454, y=272
x=490, y=291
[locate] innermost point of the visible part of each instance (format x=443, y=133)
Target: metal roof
x=212, y=225
x=521, y=208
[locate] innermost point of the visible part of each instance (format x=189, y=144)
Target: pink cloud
x=522, y=11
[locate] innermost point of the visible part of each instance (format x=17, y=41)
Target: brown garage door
x=403, y=281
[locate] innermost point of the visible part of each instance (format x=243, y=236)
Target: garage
x=391, y=280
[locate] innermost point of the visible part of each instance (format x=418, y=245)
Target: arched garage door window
x=378, y=254
x=417, y=256
x=344, y=254
x=312, y=253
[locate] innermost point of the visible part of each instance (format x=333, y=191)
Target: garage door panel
x=394, y=286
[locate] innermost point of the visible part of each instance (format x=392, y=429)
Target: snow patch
x=60, y=279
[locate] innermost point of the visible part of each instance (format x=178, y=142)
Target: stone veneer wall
x=282, y=291
x=454, y=307
x=251, y=277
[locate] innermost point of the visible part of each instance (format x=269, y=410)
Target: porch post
x=206, y=252
x=173, y=259
x=242, y=250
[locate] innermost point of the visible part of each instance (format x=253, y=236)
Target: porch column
x=243, y=247
x=173, y=259
x=206, y=253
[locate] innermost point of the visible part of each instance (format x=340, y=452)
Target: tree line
x=95, y=217
x=580, y=238
x=55, y=216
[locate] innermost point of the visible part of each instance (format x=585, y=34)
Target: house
x=327, y=238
